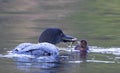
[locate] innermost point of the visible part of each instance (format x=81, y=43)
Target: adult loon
x=46, y=47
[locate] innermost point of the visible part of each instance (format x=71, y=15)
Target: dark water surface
x=24, y=20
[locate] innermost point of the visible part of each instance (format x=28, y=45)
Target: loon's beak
x=68, y=38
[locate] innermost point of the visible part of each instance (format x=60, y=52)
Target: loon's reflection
x=31, y=65
x=37, y=67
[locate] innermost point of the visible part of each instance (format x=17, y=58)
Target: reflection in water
x=36, y=67
x=30, y=67
x=101, y=56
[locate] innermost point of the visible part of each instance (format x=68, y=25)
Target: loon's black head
x=54, y=36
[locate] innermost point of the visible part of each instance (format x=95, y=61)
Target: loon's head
x=54, y=36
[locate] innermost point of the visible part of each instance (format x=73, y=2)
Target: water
x=98, y=57
x=24, y=20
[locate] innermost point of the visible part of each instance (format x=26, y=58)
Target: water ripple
x=92, y=61
x=112, y=50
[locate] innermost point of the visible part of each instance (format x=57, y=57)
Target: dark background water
x=24, y=20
